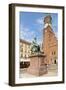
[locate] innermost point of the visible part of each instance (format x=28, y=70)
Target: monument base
x=37, y=65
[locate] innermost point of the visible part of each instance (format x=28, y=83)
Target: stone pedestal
x=37, y=65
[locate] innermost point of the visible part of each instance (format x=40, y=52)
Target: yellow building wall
x=24, y=49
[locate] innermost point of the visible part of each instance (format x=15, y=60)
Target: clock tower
x=50, y=42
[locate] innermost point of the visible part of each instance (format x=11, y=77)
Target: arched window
x=55, y=61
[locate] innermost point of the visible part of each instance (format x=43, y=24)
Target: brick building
x=50, y=42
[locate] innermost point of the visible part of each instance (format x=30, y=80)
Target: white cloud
x=26, y=33
x=40, y=21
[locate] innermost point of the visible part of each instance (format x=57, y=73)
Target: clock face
x=47, y=24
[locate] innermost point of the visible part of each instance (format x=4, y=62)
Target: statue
x=35, y=48
x=37, y=60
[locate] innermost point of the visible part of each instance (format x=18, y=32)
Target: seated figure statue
x=35, y=48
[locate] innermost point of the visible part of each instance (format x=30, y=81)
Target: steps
x=53, y=67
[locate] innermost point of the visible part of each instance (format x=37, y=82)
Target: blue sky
x=31, y=25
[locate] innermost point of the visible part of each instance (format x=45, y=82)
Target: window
x=21, y=55
x=21, y=49
x=54, y=52
x=25, y=56
x=55, y=62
